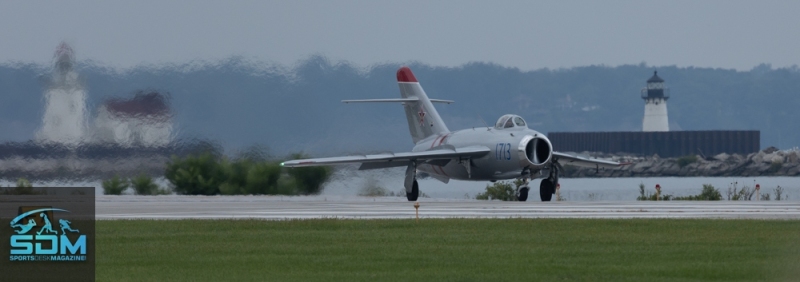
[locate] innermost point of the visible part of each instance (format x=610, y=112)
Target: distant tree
x=235, y=177
x=195, y=175
x=262, y=178
x=23, y=183
x=247, y=177
x=143, y=185
x=114, y=186
x=500, y=190
x=23, y=187
x=309, y=180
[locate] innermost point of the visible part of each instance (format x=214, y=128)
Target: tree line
x=210, y=173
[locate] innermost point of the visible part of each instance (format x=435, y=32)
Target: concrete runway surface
x=278, y=208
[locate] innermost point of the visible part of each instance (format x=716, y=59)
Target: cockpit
x=510, y=121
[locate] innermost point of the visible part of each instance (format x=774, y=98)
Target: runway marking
x=276, y=208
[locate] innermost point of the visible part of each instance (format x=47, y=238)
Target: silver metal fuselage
x=503, y=162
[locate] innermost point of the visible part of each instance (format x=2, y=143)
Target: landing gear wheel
x=414, y=192
x=523, y=193
x=546, y=190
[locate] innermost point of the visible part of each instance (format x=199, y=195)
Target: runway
x=280, y=208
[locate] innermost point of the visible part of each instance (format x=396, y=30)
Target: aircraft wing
x=393, y=159
x=567, y=159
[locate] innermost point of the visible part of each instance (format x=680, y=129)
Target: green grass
x=449, y=250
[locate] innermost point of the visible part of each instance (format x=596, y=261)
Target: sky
x=524, y=34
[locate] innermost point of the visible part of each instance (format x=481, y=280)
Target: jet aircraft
x=509, y=150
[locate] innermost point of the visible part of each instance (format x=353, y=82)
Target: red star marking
x=421, y=116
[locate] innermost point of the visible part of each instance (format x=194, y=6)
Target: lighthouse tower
x=65, y=115
x=655, y=97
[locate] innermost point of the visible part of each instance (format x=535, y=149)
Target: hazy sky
x=524, y=34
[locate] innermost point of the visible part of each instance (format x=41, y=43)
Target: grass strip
x=449, y=250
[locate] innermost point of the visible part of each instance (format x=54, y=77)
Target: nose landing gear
x=522, y=191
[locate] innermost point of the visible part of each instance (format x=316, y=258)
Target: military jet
x=509, y=150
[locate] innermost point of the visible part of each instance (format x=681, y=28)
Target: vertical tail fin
x=423, y=120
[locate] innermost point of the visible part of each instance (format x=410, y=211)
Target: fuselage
x=503, y=162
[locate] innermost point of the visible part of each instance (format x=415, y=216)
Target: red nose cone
x=404, y=74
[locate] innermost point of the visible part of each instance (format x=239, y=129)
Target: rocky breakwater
x=769, y=162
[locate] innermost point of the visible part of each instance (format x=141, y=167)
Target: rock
x=671, y=169
x=758, y=157
x=793, y=170
x=763, y=167
x=722, y=157
x=641, y=166
x=755, y=164
x=774, y=158
x=770, y=150
x=792, y=157
x=711, y=168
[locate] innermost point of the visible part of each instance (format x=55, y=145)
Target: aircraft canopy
x=510, y=121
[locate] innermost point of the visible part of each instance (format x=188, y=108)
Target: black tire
x=523, y=194
x=546, y=190
x=414, y=192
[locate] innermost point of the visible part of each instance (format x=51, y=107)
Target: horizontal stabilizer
x=401, y=100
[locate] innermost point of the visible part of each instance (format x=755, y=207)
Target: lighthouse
x=655, y=97
x=65, y=115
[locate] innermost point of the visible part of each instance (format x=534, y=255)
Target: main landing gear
x=546, y=189
x=548, y=186
x=414, y=194
x=412, y=187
